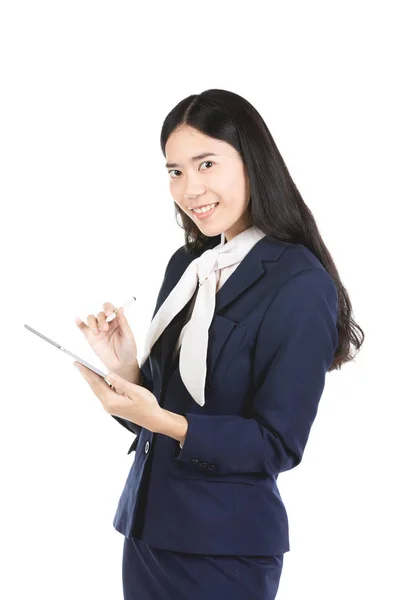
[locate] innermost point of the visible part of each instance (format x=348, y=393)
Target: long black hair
x=276, y=206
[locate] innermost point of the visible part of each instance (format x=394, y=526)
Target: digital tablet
x=77, y=358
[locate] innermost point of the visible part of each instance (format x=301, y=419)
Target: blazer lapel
x=250, y=270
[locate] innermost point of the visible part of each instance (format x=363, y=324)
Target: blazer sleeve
x=294, y=349
x=147, y=378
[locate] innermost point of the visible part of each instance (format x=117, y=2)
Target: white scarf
x=202, y=270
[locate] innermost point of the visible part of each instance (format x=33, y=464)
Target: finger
x=123, y=324
x=92, y=323
x=82, y=326
x=94, y=380
x=84, y=371
x=108, y=308
x=101, y=318
x=88, y=374
x=120, y=384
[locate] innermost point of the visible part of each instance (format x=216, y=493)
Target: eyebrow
x=193, y=159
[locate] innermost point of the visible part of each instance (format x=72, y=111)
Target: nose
x=194, y=187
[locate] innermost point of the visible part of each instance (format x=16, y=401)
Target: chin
x=210, y=231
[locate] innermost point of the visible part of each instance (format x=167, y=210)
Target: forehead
x=186, y=142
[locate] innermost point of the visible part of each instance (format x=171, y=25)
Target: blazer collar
x=249, y=271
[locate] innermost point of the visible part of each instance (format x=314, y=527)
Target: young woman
x=250, y=317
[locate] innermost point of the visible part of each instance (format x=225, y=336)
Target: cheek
x=231, y=185
x=179, y=202
x=176, y=186
x=174, y=190
x=238, y=191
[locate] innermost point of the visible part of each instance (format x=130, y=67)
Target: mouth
x=207, y=213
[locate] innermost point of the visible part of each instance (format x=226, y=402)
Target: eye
x=173, y=171
x=207, y=161
x=176, y=170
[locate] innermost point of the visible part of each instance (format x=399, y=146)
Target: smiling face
x=216, y=174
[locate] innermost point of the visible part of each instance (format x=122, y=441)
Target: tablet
x=77, y=358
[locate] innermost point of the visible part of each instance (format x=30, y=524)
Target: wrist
x=172, y=424
x=131, y=373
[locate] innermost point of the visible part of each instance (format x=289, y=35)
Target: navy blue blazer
x=271, y=342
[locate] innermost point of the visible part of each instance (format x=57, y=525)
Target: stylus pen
x=113, y=314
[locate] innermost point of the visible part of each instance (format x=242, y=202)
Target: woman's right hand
x=114, y=342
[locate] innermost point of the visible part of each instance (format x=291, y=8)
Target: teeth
x=205, y=208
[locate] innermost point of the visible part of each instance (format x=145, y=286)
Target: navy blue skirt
x=150, y=573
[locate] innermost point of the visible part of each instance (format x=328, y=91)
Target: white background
x=87, y=217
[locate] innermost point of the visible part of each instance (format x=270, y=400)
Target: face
x=219, y=175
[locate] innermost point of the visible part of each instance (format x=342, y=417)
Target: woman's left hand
x=127, y=400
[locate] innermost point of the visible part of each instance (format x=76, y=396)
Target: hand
x=124, y=399
x=114, y=342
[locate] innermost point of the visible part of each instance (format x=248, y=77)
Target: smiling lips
x=201, y=205
x=195, y=208
x=205, y=214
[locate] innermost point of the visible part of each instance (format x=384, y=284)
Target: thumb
x=121, y=385
x=123, y=322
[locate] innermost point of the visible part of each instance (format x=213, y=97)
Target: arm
x=295, y=347
x=142, y=375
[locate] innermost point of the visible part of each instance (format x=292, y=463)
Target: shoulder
x=290, y=254
x=297, y=276
x=298, y=260
x=179, y=258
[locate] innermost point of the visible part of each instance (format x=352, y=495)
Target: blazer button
x=195, y=461
x=211, y=467
x=203, y=465
x=146, y=448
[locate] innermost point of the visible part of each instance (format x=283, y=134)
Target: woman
x=250, y=317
